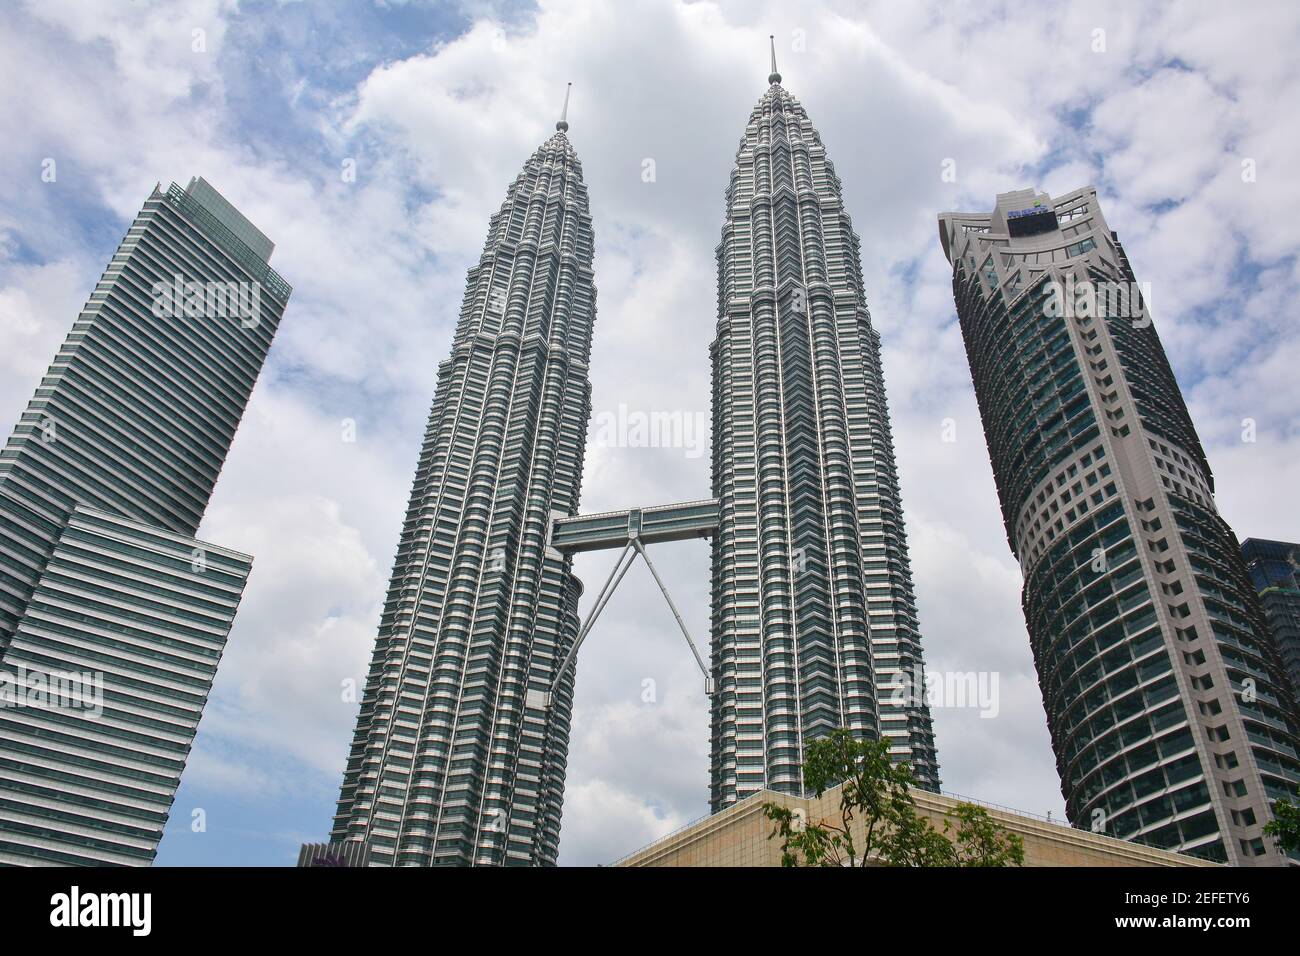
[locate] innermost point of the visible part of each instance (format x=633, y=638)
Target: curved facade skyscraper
x=1169, y=715
x=814, y=622
x=457, y=759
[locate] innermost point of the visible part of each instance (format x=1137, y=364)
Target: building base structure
x=739, y=836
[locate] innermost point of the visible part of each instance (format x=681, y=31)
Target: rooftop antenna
x=773, y=77
x=563, y=124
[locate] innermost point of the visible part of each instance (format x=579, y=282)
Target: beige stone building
x=738, y=836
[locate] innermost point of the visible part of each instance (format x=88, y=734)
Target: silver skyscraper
x=460, y=747
x=457, y=757
x=112, y=617
x=814, y=622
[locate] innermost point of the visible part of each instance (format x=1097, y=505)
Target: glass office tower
x=1168, y=713
x=814, y=622
x=1275, y=571
x=457, y=759
x=112, y=616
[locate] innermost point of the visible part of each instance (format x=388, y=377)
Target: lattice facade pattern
x=454, y=761
x=814, y=622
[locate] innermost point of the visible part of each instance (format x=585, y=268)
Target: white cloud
x=617, y=823
x=35, y=306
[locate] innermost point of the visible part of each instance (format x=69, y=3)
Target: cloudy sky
x=437, y=105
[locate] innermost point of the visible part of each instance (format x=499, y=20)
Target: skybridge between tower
x=630, y=530
x=614, y=529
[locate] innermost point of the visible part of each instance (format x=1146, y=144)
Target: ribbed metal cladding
x=148, y=612
x=813, y=614
x=1170, y=717
x=453, y=761
x=102, y=486
x=136, y=413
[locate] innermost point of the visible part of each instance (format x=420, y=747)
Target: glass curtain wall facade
x=1169, y=717
x=1275, y=572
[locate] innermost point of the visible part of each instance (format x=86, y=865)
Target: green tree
x=980, y=840
x=878, y=791
x=1284, y=828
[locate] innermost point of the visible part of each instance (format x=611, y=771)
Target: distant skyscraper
x=351, y=853
x=457, y=759
x=1275, y=570
x=112, y=616
x=814, y=621
x=1168, y=714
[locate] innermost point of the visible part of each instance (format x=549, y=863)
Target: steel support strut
x=640, y=548
x=616, y=575
x=607, y=592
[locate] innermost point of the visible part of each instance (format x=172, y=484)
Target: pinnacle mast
x=563, y=125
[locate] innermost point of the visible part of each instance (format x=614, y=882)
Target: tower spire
x=773, y=77
x=563, y=124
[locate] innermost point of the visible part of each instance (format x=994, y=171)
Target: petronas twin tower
x=813, y=622
x=450, y=763
x=460, y=747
